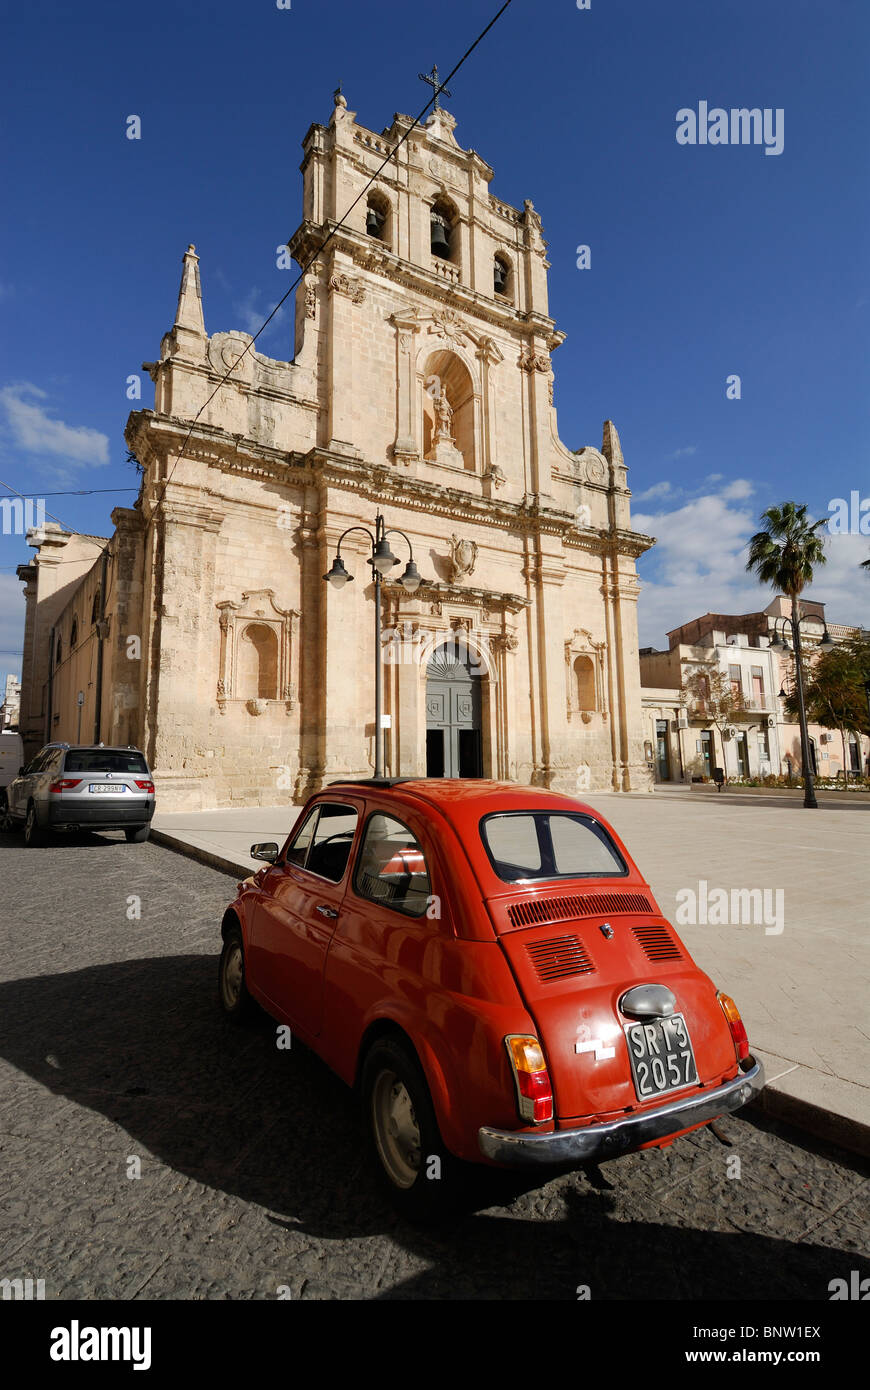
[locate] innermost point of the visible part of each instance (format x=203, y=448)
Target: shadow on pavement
x=143, y=1044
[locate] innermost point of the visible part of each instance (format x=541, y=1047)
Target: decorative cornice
x=453, y=593
x=310, y=236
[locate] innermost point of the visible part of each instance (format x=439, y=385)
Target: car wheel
x=33, y=835
x=137, y=834
x=418, y=1173
x=7, y=823
x=235, y=1000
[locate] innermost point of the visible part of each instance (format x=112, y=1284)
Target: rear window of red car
x=529, y=846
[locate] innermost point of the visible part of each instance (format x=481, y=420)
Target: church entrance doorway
x=453, y=714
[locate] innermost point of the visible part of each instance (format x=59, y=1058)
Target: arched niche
x=379, y=217
x=257, y=656
x=586, y=678
x=448, y=431
x=257, y=670
x=584, y=683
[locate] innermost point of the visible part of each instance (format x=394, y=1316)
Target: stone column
x=122, y=674
x=339, y=314
x=407, y=445
x=184, y=647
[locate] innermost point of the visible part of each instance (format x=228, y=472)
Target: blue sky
x=705, y=260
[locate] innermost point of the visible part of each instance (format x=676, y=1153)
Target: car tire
x=235, y=1001
x=33, y=833
x=420, y=1177
x=7, y=821
x=137, y=834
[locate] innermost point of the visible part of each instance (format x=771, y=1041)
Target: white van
x=11, y=758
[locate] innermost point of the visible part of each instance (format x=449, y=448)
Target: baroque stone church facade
x=421, y=389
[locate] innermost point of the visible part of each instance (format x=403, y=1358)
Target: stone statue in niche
x=443, y=418
x=444, y=448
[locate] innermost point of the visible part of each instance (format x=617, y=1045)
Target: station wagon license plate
x=106, y=787
x=661, y=1056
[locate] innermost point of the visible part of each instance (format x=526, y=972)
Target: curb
x=205, y=856
x=803, y=1115
x=828, y=1125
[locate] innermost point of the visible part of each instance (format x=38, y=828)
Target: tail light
x=62, y=784
x=532, y=1080
x=144, y=786
x=736, y=1024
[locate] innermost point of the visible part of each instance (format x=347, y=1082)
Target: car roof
x=97, y=747
x=478, y=794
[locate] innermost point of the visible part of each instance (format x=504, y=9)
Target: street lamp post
x=381, y=560
x=825, y=645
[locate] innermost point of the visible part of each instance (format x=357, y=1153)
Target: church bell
x=440, y=239
x=499, y=277
x=375, y=223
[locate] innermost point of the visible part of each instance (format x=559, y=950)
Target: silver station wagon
x=81, y=787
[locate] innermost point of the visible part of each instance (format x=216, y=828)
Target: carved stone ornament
x=449, y=323
x=257, y=706
x=534, y=361
x=596, y=470
x=311, y=302
x=343, y=284
x=496, y=476
x=463, y=558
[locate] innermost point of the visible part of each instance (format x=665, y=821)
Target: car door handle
x=326, y=911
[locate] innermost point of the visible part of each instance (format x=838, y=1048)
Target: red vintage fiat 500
x=487, y=966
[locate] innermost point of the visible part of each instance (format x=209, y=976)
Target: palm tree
x=783, y=555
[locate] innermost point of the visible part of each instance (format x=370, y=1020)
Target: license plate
x=661, y=1056
x=104, y=787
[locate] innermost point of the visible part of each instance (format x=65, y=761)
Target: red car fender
x=458, y=1105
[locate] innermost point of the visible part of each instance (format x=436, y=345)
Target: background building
x=9, y=710
x=760, y=738
x=421, y=387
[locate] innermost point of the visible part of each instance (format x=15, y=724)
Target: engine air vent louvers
x=657, y=943
x=558, y=958
x=538, y=911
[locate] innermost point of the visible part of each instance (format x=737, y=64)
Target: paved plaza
x=150, y=1150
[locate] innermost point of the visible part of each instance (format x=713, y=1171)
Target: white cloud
x=699, y=566
x=32, y=428
x=738, y=490
x=685, y=452
x=662, y=489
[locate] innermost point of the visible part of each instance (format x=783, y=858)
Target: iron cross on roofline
x=432, y=79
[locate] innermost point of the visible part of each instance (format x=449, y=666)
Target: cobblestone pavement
x=253, y=1179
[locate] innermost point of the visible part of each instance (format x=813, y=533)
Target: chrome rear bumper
x=592, y=1143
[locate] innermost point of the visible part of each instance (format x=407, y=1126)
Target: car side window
x=323, y=843
x=332, y=840
x=298, y=848
x=391, y=867
x=38, y=763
